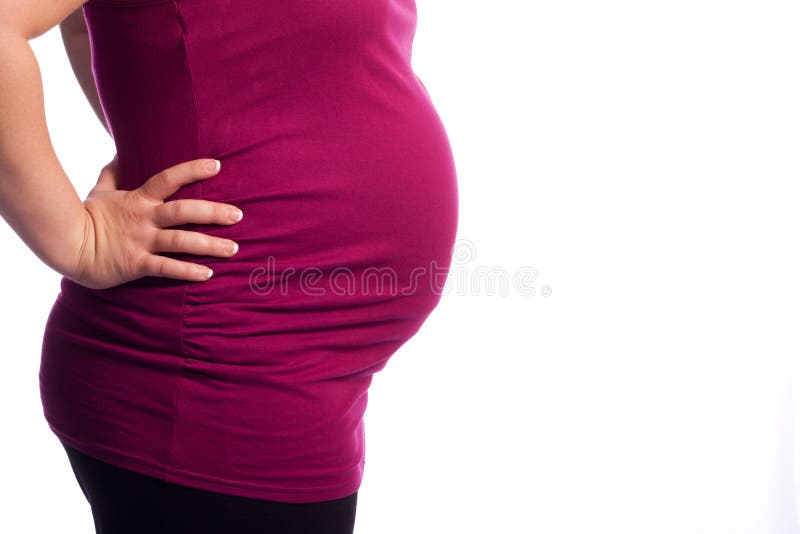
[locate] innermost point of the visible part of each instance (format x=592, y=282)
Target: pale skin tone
x=113, y=236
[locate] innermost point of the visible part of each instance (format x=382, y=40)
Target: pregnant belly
x=346, y=237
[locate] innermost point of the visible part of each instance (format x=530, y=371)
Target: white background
x=643, y=158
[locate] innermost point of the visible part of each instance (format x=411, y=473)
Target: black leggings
x=124, y=502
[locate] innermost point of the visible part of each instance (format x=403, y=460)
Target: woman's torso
x=255, y=381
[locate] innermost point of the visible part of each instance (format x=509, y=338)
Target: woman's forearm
x=76, y=43
x=37, y=198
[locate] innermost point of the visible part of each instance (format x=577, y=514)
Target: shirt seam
x=170, y=466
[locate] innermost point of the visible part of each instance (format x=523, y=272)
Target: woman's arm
x=76, y=43
x=36, y=197
x=113, y=236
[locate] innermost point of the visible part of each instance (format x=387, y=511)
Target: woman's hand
x=124, y=229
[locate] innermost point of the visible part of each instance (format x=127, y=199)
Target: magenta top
x=254, y=383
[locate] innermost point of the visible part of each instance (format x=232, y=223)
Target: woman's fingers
x=129, y=228
x=190, y=210
x=162, y=266
x=167, y=182
x=193, y=243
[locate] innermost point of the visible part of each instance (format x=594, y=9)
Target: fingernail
x=213, y=165
x=236, y=215
x=205, y=271
x=234, y=248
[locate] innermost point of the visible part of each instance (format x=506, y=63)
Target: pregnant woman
x=231, y=402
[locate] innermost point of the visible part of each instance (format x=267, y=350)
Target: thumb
x=109, y=177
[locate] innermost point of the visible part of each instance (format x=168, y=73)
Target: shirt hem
x=197, y=480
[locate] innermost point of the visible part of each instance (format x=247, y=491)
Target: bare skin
x=113, y=236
